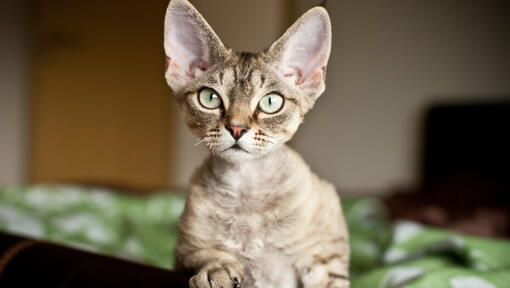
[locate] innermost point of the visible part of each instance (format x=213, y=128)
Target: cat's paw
x=218, y=275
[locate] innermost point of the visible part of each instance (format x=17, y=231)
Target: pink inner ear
x=186, y=45
x=306, y=51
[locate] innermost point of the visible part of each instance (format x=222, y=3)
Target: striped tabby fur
x=256, y=215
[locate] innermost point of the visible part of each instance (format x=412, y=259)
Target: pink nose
x=237, y=130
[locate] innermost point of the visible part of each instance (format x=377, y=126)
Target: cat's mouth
x=236, y=147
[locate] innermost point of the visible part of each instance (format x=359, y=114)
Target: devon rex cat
x=256, y=215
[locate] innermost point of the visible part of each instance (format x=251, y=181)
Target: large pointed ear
x=300, y=56
x=191, y=46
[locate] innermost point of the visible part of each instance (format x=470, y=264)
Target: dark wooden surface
x=31, y=263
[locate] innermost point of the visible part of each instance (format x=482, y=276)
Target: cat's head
x=244, y=105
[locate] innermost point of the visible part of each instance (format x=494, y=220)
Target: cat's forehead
x=242, y=74
x=242, y=69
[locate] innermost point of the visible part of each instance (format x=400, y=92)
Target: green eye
x=209, y=98
x=271, y=103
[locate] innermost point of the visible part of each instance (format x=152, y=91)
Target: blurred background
x=416, y=113
x=83, y=98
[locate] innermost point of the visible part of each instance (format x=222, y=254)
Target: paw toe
x=216, y=277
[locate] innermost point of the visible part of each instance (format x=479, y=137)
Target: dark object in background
x=32, y=263
x=466, y=171
x=467, y=154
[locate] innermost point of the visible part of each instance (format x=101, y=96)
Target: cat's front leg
x=324, y=275
x=214, y=269
x=326, y=269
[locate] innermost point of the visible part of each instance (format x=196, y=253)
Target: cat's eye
x=271, y=103
x=209, y=98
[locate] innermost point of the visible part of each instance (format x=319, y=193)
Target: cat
x=256, y=215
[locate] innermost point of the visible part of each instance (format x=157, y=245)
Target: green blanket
x=143, y=229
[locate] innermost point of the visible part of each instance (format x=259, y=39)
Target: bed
x=143, y=229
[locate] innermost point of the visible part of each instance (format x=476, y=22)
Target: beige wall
x=13, y=90
x=390, y=60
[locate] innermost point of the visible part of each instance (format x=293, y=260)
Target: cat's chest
x=253, y=238
x=248, y=234
x=266, y=265
x=250, y=219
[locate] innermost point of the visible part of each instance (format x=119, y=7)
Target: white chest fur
x=265, y=265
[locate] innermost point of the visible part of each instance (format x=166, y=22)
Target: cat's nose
x=237, y=130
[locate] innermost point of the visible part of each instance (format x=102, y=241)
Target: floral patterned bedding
x=144, y=229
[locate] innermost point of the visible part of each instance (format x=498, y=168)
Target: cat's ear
x=191, y=46
x=300, y=56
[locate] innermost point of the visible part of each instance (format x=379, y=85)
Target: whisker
x=199, y=141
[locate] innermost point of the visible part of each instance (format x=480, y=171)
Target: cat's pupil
x=269, y=100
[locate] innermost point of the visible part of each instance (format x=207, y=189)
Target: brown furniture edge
x=34, y=263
